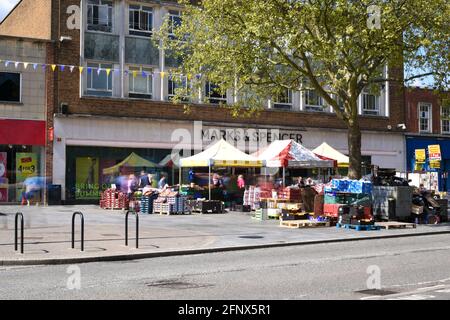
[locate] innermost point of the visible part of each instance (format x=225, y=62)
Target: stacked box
x=291, y=194
x=111, y=199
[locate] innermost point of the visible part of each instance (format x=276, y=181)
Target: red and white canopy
x=289, y=153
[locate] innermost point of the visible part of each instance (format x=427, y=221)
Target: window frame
x=313, y=107
x=103, y=69
x=95, y=27
x=136, y=94
x=365, y=111
x=287, y=104
x=214, y=99
x=171, y=14
x=183, y=78
x=140, y=9
x=20, y=87
x=445, y=118
x=429, y=119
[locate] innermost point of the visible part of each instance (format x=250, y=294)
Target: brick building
x=118, y=102
x=428, y=121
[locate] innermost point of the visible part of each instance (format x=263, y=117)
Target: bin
x=54, y=195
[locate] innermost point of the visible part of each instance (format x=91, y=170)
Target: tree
x=336, y=47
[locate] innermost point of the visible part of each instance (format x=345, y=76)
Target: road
x=413, y=268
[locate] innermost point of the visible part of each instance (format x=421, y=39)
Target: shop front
x=85, y=146
x=429, y=161
x=22, y=161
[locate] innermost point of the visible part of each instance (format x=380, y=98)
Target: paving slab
x=47, y=238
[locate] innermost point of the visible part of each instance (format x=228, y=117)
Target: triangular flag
x=99, y=70
x=108, y=71
x=81, y=69
x=6, y=63
x=144, y=74
x=53, y=67
x=16, y=64
x=126, y=72
x=71, y=68
x=25, y=65
x=62, y=67
x=44, y=67
x=163, y=74
x=35, y=65
x=134, y=74
x=89, y=70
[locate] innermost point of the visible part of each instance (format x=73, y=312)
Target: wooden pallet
x=358, y=227
x=295, y=224
x=395, y=225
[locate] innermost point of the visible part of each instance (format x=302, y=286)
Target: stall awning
x=221, y=154
x=328, y=151
x=289, y=153
x=133, y=160
x=170, y=162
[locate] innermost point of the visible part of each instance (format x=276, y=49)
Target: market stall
x=291, y=154
x=132, y=161
x=221, y=154
x=172, y=162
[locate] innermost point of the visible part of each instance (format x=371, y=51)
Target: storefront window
x=21, y=174
x=91, y=170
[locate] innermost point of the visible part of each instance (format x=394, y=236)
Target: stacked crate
x=111, y=199
x=291, y=194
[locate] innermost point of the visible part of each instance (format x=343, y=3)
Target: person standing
x=162, y=183
x=144, y=179
x=241, y=182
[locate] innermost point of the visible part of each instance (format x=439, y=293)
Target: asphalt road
x=415, y=268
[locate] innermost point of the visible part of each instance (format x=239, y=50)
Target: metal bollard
x=82, y=230
x=137, y=229
x=18, y=214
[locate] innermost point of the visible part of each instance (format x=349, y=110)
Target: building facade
x=428, y=119
x=22, y=116
x=111, y=93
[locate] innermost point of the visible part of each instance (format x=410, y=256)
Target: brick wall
x=416, y=95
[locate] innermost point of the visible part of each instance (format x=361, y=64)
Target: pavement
x=407, y=268
x=47, y=238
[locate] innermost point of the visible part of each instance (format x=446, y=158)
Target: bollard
x=82, y=230
x=18, y=214
x=137, y=229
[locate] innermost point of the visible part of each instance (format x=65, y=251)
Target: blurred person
x=162, y=183
x=240, y=182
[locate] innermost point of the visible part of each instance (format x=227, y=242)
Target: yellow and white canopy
x=221, y=154
x=325, y=150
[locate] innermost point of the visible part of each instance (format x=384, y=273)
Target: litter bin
x=54, y=195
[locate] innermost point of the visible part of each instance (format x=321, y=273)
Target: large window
x=99, y=82
x=445, y=116
x=283, y=100
x=10, y=87
x=370, y=103
x=141, y=20
x=174, y=22
x=140, y=82
x=425, y=117
x=312, y=101
x=177, y=85
x=213, y=93
x=100, y=15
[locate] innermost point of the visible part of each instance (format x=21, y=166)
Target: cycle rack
x=137, y=229
x=18, y=214
x=82, y=230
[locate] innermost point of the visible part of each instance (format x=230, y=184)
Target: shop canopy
x=325, y=150
x=291, y=154
x=221, y=154
x=168, y=162
x=133, y=161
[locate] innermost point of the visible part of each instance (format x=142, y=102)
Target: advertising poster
x=3, y=177
x=87, y=179
x=420, y=157
x=434, y=154
x=26, y=167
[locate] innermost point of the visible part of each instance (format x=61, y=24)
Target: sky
x=6, y=6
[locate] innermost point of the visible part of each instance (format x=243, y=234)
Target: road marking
x=444, y=291
x=416, y=297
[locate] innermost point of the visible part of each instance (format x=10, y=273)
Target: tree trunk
x=354, y=148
